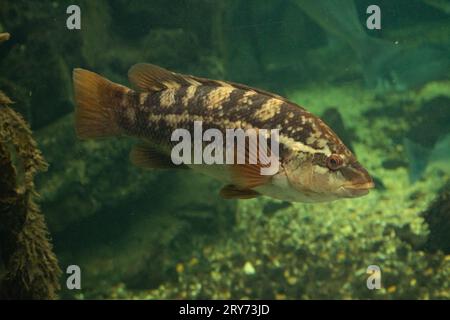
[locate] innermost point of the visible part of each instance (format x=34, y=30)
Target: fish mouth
x=358, y=183
x=358, y=189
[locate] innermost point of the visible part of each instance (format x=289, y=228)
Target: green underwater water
x=168, y=234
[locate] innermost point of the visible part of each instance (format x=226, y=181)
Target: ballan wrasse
x=314, y=166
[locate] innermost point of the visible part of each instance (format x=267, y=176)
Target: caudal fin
x=95, y=98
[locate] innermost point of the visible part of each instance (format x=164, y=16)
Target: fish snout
x=358, y=180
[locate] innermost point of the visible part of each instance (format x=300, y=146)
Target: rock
x=437, y=216
x=248, y=268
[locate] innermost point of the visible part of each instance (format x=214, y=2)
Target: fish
x=386, y=65
x=420, y=157
x=314, y=164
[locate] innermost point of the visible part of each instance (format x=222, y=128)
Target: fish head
x=328, y=172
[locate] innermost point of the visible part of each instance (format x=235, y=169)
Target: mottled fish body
x=314, y=163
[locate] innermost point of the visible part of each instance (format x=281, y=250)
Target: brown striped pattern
x=158, y=114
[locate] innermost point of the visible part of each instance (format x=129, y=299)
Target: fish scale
x=230, y=110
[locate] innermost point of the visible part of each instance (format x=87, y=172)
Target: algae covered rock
x=437, y=216
x=31, y=267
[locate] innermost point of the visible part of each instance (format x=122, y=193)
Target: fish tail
x=418, y=157
x=95, y=98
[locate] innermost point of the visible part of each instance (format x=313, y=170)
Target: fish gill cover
x=153, y=234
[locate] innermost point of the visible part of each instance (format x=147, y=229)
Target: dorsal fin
x=149, y=77
x=250, y=174
x=210, y=82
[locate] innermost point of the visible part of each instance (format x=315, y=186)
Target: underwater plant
x=32, y=270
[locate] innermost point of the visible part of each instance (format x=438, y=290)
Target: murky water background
x=168, y=234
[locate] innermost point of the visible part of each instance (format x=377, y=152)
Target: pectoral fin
x=249, y=175
x=147, y=156
x=233, y=192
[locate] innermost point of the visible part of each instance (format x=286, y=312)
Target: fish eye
x=334, y=162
